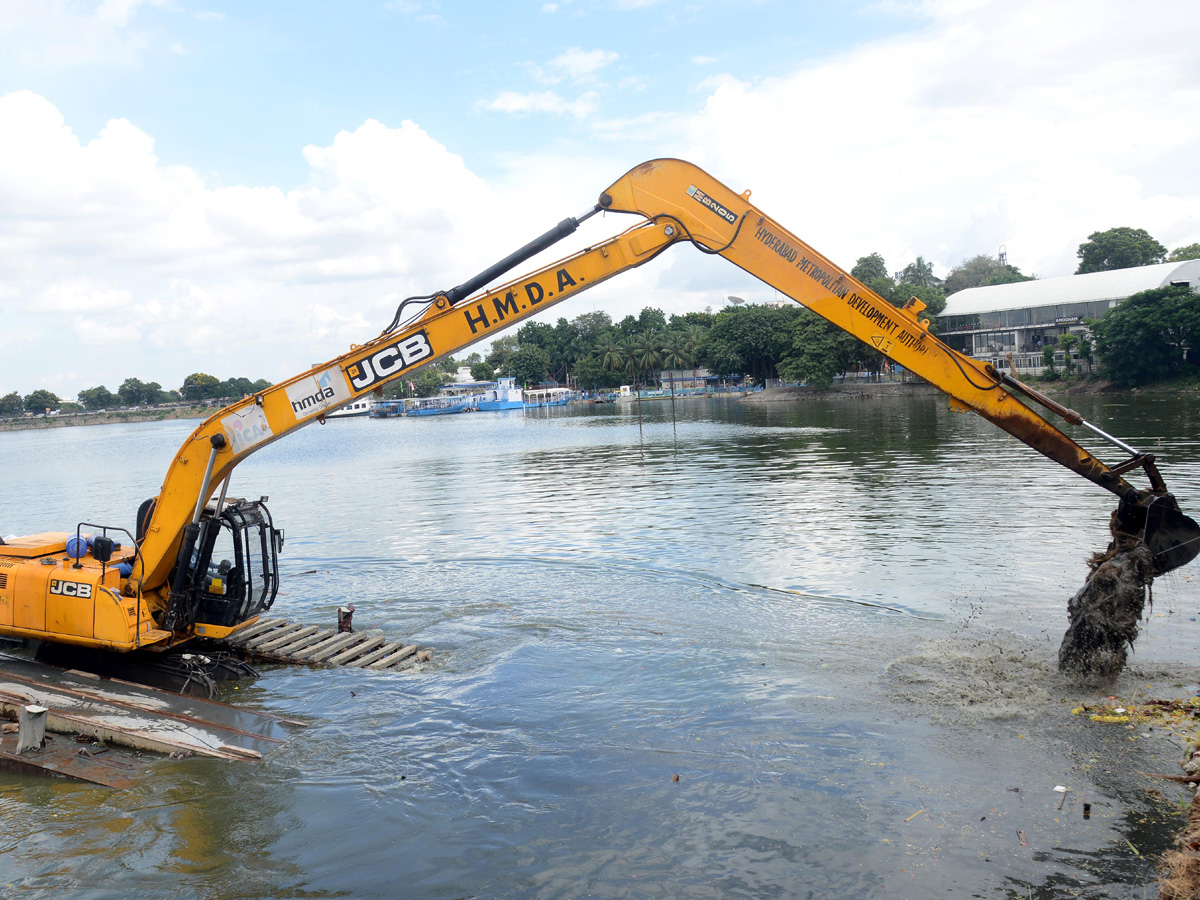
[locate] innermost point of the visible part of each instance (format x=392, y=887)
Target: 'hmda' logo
x=389, y=361
x=315, y=393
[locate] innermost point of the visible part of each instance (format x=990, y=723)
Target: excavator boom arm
x=677, y=202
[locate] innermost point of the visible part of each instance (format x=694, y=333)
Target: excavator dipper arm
x=677, y=203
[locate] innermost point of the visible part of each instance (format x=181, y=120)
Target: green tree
x=1150, y=337
x=199, y=386
x=1066, y=343
x=1180, y=254
x=11, y=404
x=651, y=321
x=529, y=365
x=609, y=351
x=748, y=340
x=647, y=352
x=814, y=357
x=980, y=271
x=1118, y=248
x=919, y=272
x=592, y=325
x=933, y=297
x=1085, y=351
x=870, y=268
x=131, y=392
x=591, y=375
x=481, y=371
x=675, y=351
x=235, y=388
x=502, y=348
x=1049, y=373
x=97, y=398
x=41, y=400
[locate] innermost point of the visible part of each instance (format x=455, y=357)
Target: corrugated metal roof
x=1115, y=285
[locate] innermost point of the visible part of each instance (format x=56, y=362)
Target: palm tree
x=611, y=357
x=675, y=353
x=629, y=357
x=675, y=356
x=646, y=348
x=919, y=272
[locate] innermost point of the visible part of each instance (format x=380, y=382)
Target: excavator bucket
x=1172, y=537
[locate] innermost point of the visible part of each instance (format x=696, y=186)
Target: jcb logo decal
x=389, y=361
x=70, y=588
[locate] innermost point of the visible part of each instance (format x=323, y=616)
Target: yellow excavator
x=201, y=564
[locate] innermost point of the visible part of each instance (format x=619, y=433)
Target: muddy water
x=836, y=623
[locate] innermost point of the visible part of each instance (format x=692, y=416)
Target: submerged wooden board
x=281, y=641
x=121, y=714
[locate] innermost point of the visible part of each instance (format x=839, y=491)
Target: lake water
x=836, y=622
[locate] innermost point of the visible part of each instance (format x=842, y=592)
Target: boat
x=500, y=395
x=540, y=397
x=436, y=406
x=386, y=409
x=354, y=408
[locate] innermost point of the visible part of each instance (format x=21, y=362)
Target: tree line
x=133, y=392
x=1150, y=337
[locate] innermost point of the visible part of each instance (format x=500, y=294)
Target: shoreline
x=846, y=391
x=106, y=418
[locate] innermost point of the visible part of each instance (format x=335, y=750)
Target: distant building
x=1023, y=318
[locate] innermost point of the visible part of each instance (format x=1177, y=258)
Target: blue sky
x=247, y=188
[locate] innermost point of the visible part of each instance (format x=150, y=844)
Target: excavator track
x=281, y=641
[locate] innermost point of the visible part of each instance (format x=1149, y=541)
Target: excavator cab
x=240, y=573
x=231, y=572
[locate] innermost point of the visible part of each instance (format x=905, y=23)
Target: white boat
x=539, y=397
x=358, y=407
x=500, y=395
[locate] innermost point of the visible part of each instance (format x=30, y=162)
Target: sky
x=246, y=189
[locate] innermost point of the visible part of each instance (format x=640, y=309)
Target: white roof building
x=1022, y=318
x=1115, y=285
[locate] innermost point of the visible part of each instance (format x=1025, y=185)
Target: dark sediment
x=1104, y=614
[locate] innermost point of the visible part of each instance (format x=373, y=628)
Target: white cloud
x=110, y=333
x=1023, y=124
x=549, y=7
x=84, y=296
x=578, y=64
x=703, y=60
x=60, y=35
x=549, y=102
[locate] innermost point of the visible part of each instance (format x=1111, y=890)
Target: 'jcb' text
x=70, y=588
x=389, y=361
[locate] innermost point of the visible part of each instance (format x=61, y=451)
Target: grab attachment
x=1157, y=521
x=1152, y=517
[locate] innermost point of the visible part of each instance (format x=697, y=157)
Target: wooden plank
x=367, y=644
x=394, y=658
x=257, y=628
x=295, y=646
x=276, y=642
x=329, y=648
x=269, y=636
x=383, y=651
